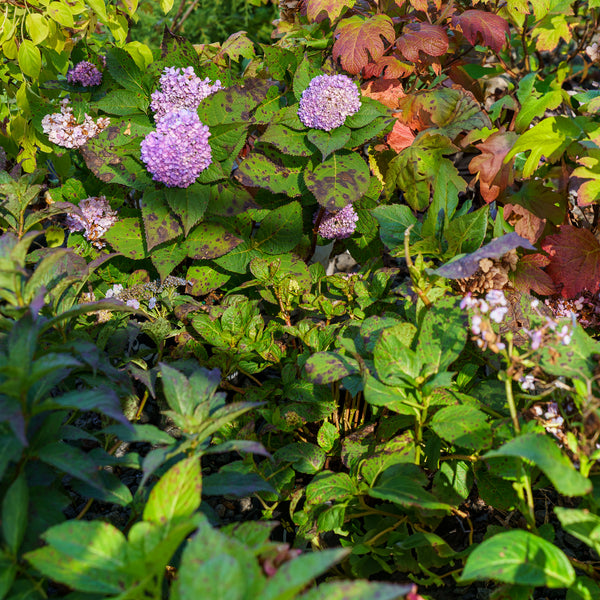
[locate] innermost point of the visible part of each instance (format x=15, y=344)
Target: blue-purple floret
x=328, y=101
x=84, y=73
x=178, y=151
x=338, y=225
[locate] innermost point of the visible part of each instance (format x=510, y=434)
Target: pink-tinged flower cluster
x=178, y=151
x=328, y=101
x=63, y=129
x=98, y=218
x=84, y=73
x=338, y=225
x=180, y=89
x=493, y=308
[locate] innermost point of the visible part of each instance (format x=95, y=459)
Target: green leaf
x=584, y=588
x=545, y=454
x=582, y=524
x=15, y=513
x=125, y=236
x=463, y=426
x=357, y=590
x=520, y=558
x=328, y=367
x=189, y=204
x=281, y=229
x=30, y=59
x=88, y=556
x=395, y=362
x=549, y=138
x=37, y=27
x=328, y=486
x=177, y=493
x=329, y=141
x=293, y=576
x=8, y=573
x=166, y=5
x=302, y=77
x=124, y=70
x=394, y=220
x=421, y=168
x=287, y=140
x=466, y=233
x=71, y=460
x=166, y=258
x=59, y=12
x=453, y=482
x=403, y=490
x=338, y=181
x=123, y=102
x=205, y=279
x=305, y=457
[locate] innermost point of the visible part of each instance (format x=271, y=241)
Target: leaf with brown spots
x=160, y=223
x=256, y=170
x=189, y=204
x=328, y=367
x=210, y=240
x=340, y=180
x=125, y=236
x=529, y=276
x=166, y=258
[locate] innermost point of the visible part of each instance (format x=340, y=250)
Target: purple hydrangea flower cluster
x=178, y=151
x=327, y=101
x=64, y=130
x=98, y=218
x=338, y=225
x=180, y=88
x=84, y=73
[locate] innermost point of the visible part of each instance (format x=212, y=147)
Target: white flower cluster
x=98, y=218
x=63, y=129
x=564, y=334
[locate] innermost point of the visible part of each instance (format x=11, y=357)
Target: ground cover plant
x=199, y=400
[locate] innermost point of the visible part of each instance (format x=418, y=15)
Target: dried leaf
x=468, y=265
x=359, y=39
x=494, y=175
x=422, y=37
x=529, y=276
x=574, y=260
x=524, y=221
x=479, y=25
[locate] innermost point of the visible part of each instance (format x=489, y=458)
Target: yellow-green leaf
x=166, y=5
x=59, y=12
x=37, y=27
x=99, y=7
x=30, y=59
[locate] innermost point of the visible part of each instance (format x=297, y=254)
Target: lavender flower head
x=178, y=151
x=339, y=225
x=63, y=129
x=98, y=218
x=327, y=101
x=180, y=88
x=84, y=73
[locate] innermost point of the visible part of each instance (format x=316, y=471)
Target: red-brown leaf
x=358, y=40
x=386, y=91
x=494, y=175
x=423, y=37
x=574, y=260
x=529, y=276
x=479, y=25
x=400, y=137
x=332, y=9
x=390, y=67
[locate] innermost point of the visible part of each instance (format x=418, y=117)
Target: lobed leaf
x=422, y=37
x=359, y=40
x=478, y=25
